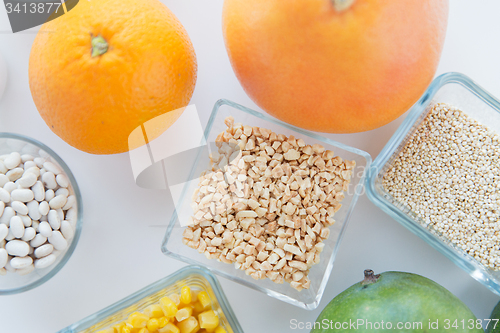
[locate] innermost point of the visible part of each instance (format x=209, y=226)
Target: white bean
x=30, y=164
x=4, y=231
x=62, y=180
x=15, y=174
x=43, y=154
x=26, y=157
x=17, y=227
x=62, y=191
x=49, y=179
x=4, y=195
x=29, y=234
x=70, y=202
x=39, y=161
x=44, y=229
x=26, y=270
x=35, y=225
x=9, y=268
x=51, y=167
x=12, y=160
x=60, y=212
x=26, y=220
x=4, y=257
x=54, y=219
x=34, y=210
x=57, y=239
x=19, y=207
x=27, y=180
x=21, y=262
x=17, y=248
x=67, y=230
x=49, y=195
x=8, y=212
x=44, y=250
x=10, y=186
x=3, y=271
x=38, y=240
x=3, y=169
x=45, y=261
x=2, y=207
x=3, y=179
x=23, y=194
x=10, y=236
x=58, y=202
x=44, y=208
x=71, y=215
x=38, y=191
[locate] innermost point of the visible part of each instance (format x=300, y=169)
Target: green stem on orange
x=99, y=46
x=341, y=5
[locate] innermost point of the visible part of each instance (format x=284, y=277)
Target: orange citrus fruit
x=108, y=66
x=336, y=66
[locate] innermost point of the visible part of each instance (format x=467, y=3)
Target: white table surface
x=119, y=249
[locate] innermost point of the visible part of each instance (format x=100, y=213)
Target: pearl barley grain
x=448, y=173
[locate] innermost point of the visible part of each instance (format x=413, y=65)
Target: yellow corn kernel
x=204, y=299
x=163, y=321
x=168, y=306
x=220, y=329
x=176, y=298
x=117, y=328
x=153, y=311
x=153, y=324
x=143, y=330
x=184, y=313
x=209, y=330
x=189, y=325
x=138, y=320
x=125, y=329
x=186, y=295
x=169, y=328
x=208, y=319
x=197, y=307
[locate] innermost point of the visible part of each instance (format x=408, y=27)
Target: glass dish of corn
x=190, y=300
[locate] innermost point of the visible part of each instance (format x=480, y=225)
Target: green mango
x=398, y=302
x=494, y=324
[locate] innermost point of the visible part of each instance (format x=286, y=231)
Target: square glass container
x=197, y=278
x=459, y=91
x=319, y=274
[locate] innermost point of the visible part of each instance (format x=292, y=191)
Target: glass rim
x=78, y=228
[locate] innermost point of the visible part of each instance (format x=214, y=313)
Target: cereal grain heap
x=267, y=203
x=449, y=175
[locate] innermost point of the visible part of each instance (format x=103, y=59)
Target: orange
x=337, y=66
x=108, y=66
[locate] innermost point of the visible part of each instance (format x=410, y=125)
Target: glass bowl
x=172, y=243
x=13, y=283
x=459, y=91
x=197, y=278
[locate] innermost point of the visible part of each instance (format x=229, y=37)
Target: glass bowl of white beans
x=40, y=213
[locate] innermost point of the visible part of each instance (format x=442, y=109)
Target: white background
x=119, y=251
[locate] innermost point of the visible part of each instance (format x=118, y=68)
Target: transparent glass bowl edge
x=358, y=190
x=457, y=256
x=157, y=286
x=54, y=270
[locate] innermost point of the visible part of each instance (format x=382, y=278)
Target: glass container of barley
x=439, y=175
x=265, y=204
